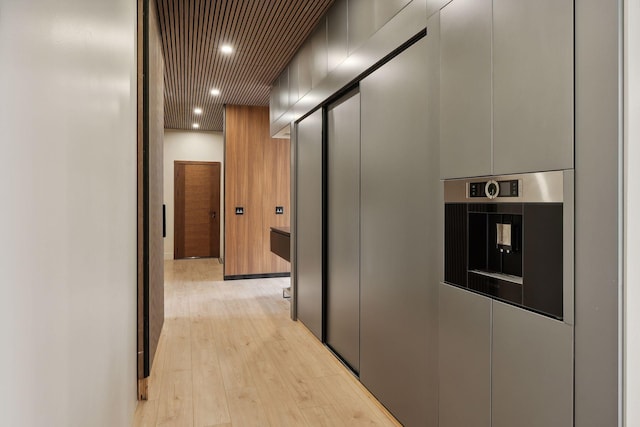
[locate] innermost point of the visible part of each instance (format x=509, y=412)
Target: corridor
x=229, y=355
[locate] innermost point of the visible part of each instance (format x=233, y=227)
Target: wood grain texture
x=241, y=249
x=197, y=209
x=229, y=355
x=257, y=178
x=150, y=95
x=265, y=35
x=277, y=189
x=280, y=244
x=155, y=190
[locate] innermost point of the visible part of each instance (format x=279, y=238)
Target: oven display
x=506, y=189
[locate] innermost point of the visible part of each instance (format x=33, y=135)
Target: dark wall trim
x=325, y=227
x=256, y=276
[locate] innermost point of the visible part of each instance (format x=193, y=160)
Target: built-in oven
x=511, y=238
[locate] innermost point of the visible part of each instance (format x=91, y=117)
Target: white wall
x=632, y=211
x=191, y=146
x=68, y=213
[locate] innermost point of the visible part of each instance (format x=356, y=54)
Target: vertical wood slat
x=250, y=148
x=265, y=34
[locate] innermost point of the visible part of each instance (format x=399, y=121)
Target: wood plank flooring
x=229, y=355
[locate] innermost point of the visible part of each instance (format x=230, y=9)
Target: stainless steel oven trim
x=538, y=187
x=568, y=240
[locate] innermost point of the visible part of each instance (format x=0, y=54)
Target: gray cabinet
x=308, y=231
x=506, y=87
x=502, y=366
x=400, y=200
x=465, y=358
x=283, y=89
x=532, y=85
x=465, y=89
x=434, y=6
x=532, y=369
x=343, y=229
x=368, y=16
x=337, y=34
x=319, y=53
x=293, y=81
x=304, y=68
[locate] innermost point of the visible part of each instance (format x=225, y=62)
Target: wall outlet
x=239, y=210
x=279, y=210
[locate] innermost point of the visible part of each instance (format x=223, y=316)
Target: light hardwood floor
x=229, y=355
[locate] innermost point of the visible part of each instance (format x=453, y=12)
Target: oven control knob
x=492, y=189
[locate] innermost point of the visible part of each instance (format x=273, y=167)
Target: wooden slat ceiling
x=264, y=33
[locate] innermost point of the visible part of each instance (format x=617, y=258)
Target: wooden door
x=197, y=209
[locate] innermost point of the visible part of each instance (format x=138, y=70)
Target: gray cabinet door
x=319, y=53
x=465, y=91
x=434, y=6
x=308, y=232
x=343, y=229
x=532, y=369
x=400, y=208
x=368, y=16
x=465, y=358
x=337, y=34
x=532, y=85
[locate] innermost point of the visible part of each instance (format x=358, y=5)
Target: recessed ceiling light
x=226, y=48
x=215, y=92
x=197, y=110
x=195, y=125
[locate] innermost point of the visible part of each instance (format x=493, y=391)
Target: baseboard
x=257, y=276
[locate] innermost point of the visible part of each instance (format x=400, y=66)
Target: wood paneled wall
x=156, y=180
x=150, y=188
x=257, y=178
